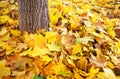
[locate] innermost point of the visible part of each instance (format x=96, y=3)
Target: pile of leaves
x=82, y=42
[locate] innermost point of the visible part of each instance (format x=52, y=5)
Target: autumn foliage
x=82, y=42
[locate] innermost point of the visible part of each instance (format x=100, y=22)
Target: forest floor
x=82, y=42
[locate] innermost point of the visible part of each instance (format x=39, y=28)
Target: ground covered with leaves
x=82, y=42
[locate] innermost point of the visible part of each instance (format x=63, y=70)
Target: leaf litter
x=82, y=42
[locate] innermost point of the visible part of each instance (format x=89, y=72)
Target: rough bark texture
x=33, y=15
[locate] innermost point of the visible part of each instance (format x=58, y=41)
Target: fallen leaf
x=22, y=46
x=110, y=31
x=54, y=47
x=3, y=3
x=15, y=32
x=109, y=73
x=84, y=40
x=37, y=51
x=39, y=77
x=5, y=19
x=34, y=39
x=77, y=48
x=50, y=68
x=93, y=71
x=77, y=75
x=3, y=31
x=68, y=40
x=20, y=64
x=51, y=36
x=82, y=63
x=62, y=70
x=5, y=70
x=26, y=52
x=98, y=62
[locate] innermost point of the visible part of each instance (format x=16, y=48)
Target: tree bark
x=33, y=15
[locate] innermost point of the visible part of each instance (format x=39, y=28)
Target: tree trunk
x=33, y=15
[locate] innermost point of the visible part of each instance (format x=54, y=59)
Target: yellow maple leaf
x=110, y=31
x=37, y=51
x=27, y=39
x=62, y=70
x=8, y=52
x=46, y=58
x=77, y=75
x=77, y=48
x=24, y=53
x=2, y=43
x=54, y=17
x=15, y=32
x=94, y=18
x=35, y=39
x=92, y=72
x=110, y=22
x=5, y=71
x=86, y=7
x=51, y=36
x=7, y=47
x=38, y=39
x=5, y=18
x=73, y=24
x=69, y=10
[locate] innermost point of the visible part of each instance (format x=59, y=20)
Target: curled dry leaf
x=68, y=40
x=68, y=62
x=101, y=61
x=82, y=63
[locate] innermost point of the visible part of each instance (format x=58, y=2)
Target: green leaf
x=39, y=77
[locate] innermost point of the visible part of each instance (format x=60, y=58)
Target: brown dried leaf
x=69, y=63
x=68, y=40
x=82, y=63
x=23, y=63
x=98, y=62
